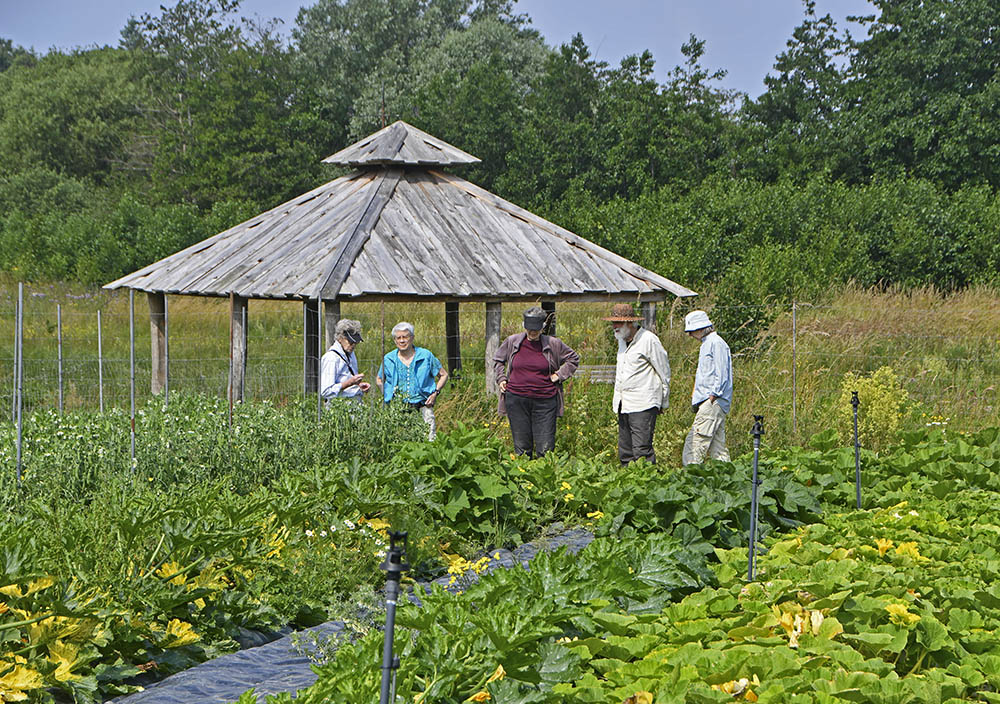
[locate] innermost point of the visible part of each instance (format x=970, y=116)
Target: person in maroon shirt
x=530, y=368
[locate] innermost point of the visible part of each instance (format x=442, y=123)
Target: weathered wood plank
x=357, y=238
x=630, y=267
x=310, y=345
x=467, y=265
x=238, y=347
x=295, y=243
x=453, y=339
x=157, y=341
x=183, y=269
x=493, y=319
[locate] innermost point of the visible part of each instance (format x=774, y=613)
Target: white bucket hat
x=696, y=320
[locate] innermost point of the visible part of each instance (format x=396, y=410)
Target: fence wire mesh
x=789, y=359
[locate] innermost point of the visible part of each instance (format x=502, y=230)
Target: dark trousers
x=635, y=435
x=532, y=423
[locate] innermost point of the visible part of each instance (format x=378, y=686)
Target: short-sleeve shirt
x=413, y=382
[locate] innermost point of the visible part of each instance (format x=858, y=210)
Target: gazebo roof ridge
x=400, y=145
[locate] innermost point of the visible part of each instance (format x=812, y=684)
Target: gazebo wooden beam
x=331, y=316
x=494, y=315
x=648, y=309
x=453, y=338
x=157, y=341
x=310, y=345
x=238, y=346
x=550, y=324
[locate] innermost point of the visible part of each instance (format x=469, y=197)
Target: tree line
x=870, y=159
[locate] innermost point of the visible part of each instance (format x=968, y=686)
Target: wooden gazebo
x=396, y=228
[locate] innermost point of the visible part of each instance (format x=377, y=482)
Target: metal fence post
x=855, y=402
x=13, y=386
x=795, y=426
x=100, y=365
x=319, y=359
x=758, y=430
x=60, y=355
x=166, y=354
x=19, y=372
x=131, y=364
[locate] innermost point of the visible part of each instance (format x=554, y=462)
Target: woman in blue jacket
x=412, y=374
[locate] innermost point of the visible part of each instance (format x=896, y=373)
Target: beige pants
x=707, y=436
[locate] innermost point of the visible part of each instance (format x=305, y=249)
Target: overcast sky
x=742, y=36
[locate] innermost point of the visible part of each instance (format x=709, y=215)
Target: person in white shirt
x=642, y=384
x=712, y=394
x=339, y=375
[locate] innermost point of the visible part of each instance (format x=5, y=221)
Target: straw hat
x=622, y=313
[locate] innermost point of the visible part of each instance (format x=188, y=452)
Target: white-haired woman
x=412, y=374
x=339, y=376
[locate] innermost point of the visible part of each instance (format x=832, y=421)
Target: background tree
x=794, y=128
x=923, y=91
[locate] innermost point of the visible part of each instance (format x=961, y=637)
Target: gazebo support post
x=238, y=318
x=157, y=341
x=310, y=345
x=493, y=318
x=453, y=338
x=331, y=316
x=649, y=315
x=550, y=309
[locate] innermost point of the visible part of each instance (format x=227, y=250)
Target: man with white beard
x=642, y=384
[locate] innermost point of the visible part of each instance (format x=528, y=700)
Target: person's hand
x=352, y=380
x=364, y=386
x=502, y=386
x=555, y=378
x=431, y=399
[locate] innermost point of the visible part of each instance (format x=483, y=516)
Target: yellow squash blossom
x=884, y=545
x=900, y=615
x=483, y=696
x=909, y=548
x=640, y=698
x=498, y=674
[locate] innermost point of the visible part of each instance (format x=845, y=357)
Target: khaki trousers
x=707, y=436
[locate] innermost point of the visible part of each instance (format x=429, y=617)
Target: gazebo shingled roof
x=396, y=228
x=388, y=231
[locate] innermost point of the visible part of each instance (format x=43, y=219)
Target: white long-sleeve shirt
x=336, y=368
x=715, y=372
x=642, y=374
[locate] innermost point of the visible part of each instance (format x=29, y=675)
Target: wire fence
x=75, y=350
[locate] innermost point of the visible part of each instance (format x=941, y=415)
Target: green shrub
x=881, y=398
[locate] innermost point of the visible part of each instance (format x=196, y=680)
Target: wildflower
x=349, y=524
x=322, y=534
x=596, y=515
x=309, y=533
x=568, y=497
x=565, y=486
